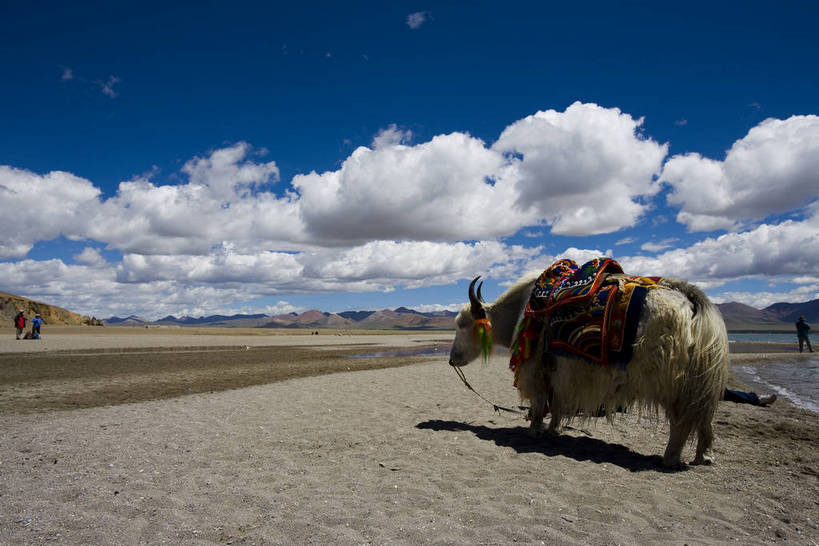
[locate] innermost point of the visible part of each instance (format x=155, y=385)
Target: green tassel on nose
x=483, y=329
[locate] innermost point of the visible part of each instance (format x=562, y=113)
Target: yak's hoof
x=673, y=464
x=536, y=430
x=706, y=460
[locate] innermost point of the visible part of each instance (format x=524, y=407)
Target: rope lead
x=497, y=408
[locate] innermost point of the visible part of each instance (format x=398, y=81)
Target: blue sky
x=224, y=157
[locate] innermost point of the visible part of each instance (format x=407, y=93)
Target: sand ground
x=284, y=439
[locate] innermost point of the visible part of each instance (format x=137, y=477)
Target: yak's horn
x=476, y=307
x=480, y=298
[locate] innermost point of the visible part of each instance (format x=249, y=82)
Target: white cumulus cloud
x=224, y=200
x=761, y=300
x=158, y=285
x=789, y=248
x=90, y=256
x=772, y=170
x=400, y=214
x=583, y=171
x=436, y=190
x=41, y=207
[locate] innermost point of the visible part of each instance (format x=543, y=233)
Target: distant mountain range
x=778, y=317
x=738, y=317
x=397, y=319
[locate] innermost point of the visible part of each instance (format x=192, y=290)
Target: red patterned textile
x=582, y=315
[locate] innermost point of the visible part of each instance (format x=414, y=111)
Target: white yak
x=679, y=363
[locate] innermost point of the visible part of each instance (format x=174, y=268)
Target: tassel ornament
x=483, y=330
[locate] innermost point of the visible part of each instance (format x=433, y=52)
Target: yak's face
x=466, y=346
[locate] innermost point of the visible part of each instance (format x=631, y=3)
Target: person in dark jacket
x=752, y=398
x=802, y=329
x=20, y=323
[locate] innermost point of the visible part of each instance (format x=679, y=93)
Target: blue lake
x=796, y=380
x=764, y=337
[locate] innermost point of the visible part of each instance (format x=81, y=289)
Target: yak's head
x=473, y=332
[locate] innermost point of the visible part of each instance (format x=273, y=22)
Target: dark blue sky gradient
x=194, y=77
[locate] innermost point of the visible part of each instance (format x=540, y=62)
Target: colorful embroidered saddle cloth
x=581, y=314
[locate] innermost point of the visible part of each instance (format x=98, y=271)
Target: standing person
x=802, y=329
x=20, y=322
x=36, y=322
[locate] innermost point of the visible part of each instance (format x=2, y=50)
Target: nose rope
x=498, y=408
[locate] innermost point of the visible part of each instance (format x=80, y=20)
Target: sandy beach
x=130, y=436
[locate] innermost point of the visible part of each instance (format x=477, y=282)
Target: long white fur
x=679, y=364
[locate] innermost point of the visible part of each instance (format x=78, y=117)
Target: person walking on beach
x=20, y=322
x=802, y=329
x=36, y=322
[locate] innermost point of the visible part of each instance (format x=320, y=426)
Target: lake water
x=764, y=337
x=438, y=349
x=796, y=380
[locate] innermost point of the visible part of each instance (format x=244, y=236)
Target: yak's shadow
x=579, y=448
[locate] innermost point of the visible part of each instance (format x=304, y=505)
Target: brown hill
x=308, y=319
x=739, y=316
x=790, y=312
x=406, y=320
x=373, y=320
x=51, y=314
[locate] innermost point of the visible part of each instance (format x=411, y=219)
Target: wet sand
x=73, y=369
x=211, y=437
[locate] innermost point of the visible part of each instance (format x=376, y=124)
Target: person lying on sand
x=752, y=398
x=740, y=397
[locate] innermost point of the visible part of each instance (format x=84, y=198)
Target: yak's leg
x=532, y=382
x=555, y=424
x=676, y=441
x=705, y=438
x=536, y=412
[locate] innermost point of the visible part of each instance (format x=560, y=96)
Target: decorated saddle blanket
x=581, y=314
